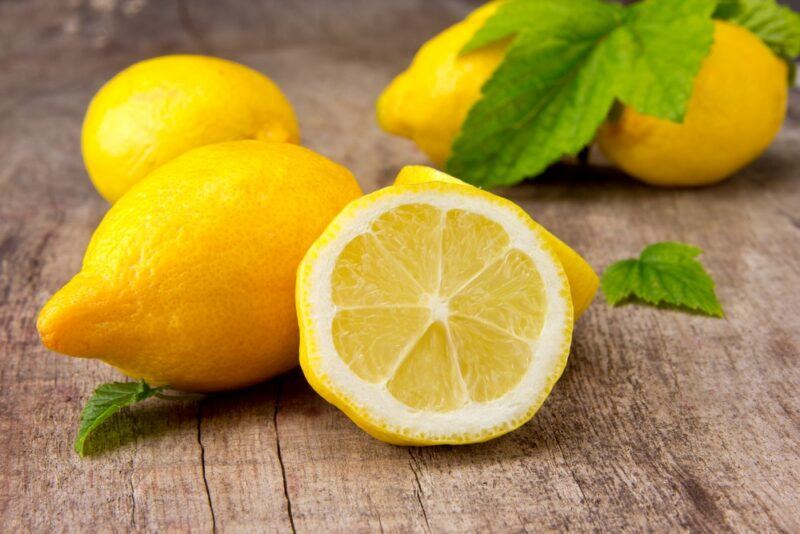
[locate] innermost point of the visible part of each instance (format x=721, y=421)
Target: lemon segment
x=583, y=280
x=433, y=313
x=371, y=341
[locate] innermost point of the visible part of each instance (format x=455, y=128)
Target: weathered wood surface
x=662, y=420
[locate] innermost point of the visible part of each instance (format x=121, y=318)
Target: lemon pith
x=433, y=313
x=189, y=279
x=159, y=108
x=583, y=281
x=737, y=106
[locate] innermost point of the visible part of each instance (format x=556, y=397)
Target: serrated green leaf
x=107, y=400
x=667, y=41
x=664, y=273
x=561, y=76
x=778, y=26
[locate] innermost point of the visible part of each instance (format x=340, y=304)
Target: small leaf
x=664, y=273
x=668, y=40
x=107, y=400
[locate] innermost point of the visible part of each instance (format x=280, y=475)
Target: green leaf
x=568, y=62
x=664, y=273
x=541, y=17
x=778, y=26
x=667, y=41
x=107, y=400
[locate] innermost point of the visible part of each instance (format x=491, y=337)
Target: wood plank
x=662, y=421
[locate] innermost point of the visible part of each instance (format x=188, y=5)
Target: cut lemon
x=583, y=281
x=433, y=313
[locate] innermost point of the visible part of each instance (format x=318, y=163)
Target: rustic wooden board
x=662, y=420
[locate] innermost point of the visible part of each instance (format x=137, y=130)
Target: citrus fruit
x=737, y=106
x=159, y=108
x=429, y=102
x=583, y=281
x=433, y=313
x=189, y=278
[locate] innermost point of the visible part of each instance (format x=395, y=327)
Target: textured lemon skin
x=309, y=352
x=583, y=281
x=189, y=279
x=158, y=109
x=429, y=101
x=737, y=106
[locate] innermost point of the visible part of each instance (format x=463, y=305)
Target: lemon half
x=433, y=313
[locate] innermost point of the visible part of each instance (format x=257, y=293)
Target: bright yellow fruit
x=737, y=107
x=433, y=313
x=158, y=109
x=583, y=281
x=429, y=102
x=189, y=279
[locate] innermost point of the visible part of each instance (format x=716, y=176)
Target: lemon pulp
x=438, y=319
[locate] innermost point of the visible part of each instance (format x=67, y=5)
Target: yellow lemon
x=158, y=109
x=433, y=313
x=429, y=102
x=189, y=279
x=737, y=106
x=583, y=281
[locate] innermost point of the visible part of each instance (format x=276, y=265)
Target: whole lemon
x=737, y=106
x=429, y=102
x=189, y=279
x=158, y=109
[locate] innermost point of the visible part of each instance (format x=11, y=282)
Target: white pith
x=375, y=400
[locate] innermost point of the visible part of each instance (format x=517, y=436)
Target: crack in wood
x=418, y=491
x=203, y=464
x=585, y=501
x=280, y=455
x=133, y=501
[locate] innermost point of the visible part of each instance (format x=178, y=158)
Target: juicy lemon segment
x=371, y=341
x=428, y=377
x=462, y=259
x=433, y=313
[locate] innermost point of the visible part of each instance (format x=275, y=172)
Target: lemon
x=429, y=102
x=433, y=313
x=737, y=106
x=189, y=278
x=159, y=108
x=583, y=281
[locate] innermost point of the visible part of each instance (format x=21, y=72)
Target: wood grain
x=663, y=421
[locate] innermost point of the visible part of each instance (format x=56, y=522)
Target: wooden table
x=662, y=420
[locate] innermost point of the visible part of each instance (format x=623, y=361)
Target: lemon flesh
x=583, y=281
x=433, y=313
